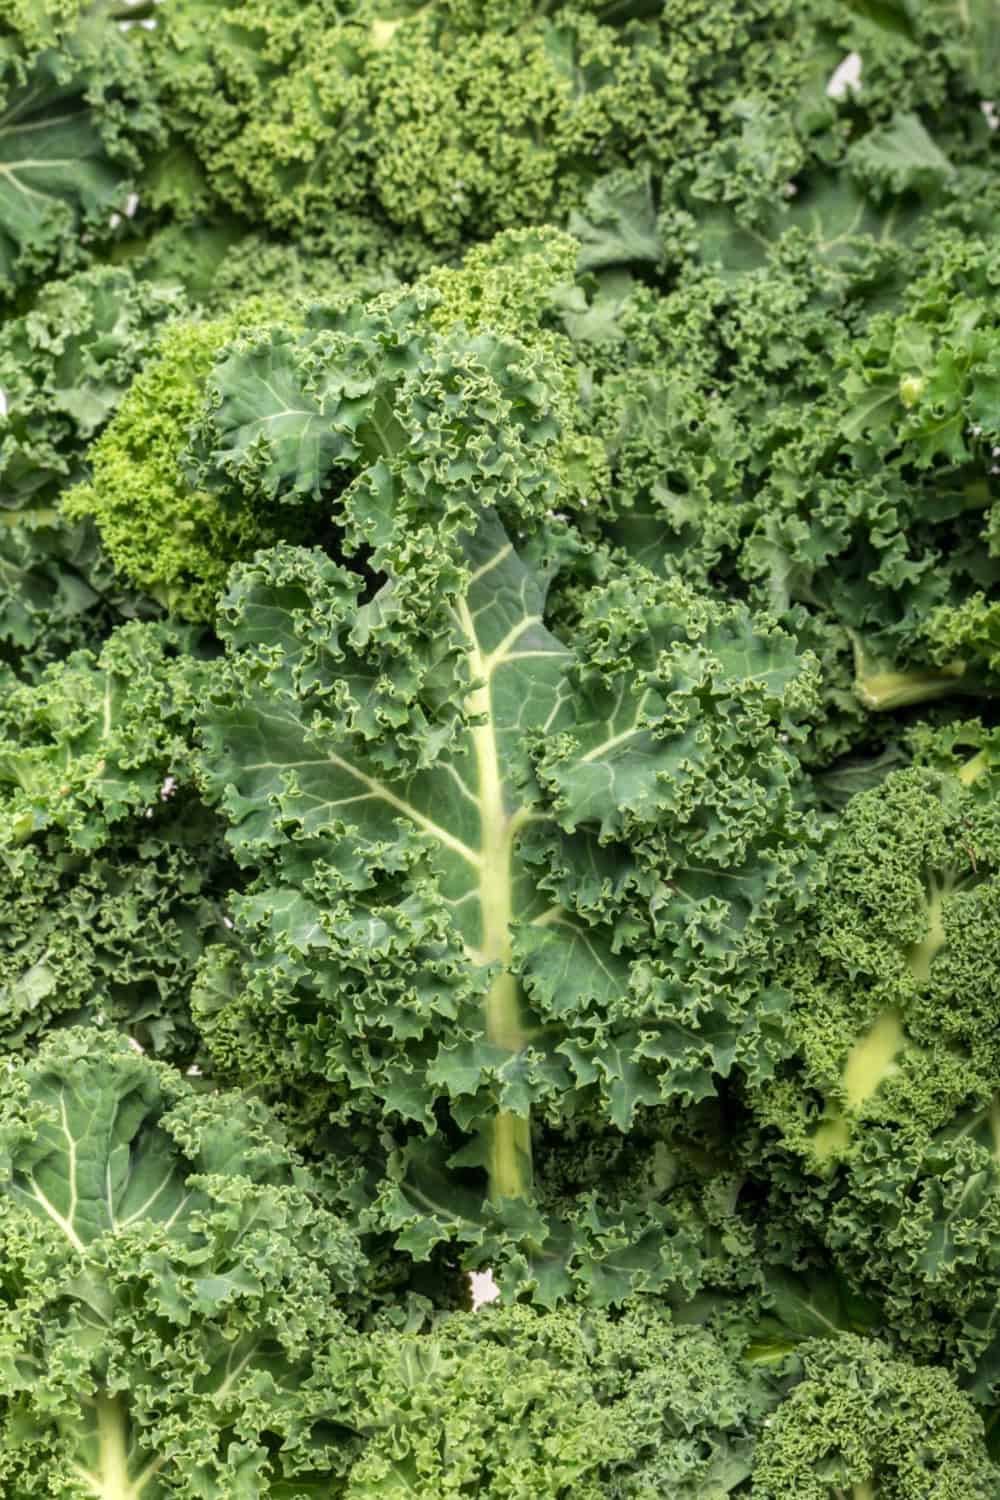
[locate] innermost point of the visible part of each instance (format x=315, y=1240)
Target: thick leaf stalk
x=510, y=1149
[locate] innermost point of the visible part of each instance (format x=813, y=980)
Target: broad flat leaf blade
x=55, y=174
x=95, y=1163
x=273, y=762
x=278, y=433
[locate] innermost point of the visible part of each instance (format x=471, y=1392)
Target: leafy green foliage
x=297, y=112
x=862, y=1423
x=64, y=367
x=113, y=877
x=560, y=868
x=891, y=1098
x=76, y=111
x=162, y=532
x=509, y=1402
x=58, y=593
x=166, y=1280
x=497, y=544
x=826, y=455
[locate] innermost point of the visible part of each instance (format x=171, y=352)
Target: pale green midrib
x=872, y=1058
x=869, y=1062
x=22, y=187
x=861, y=1489
x=110, y=1479
x=510, y=1157
x=613, y=741
x=491, y=563
x=974, y=768
x=25, y=127
x=232, y=1375
x=107, y=707
x=379, y=790
x=49, y=1208
x=71, y=1154
x=921, y=955
x=884, y=691
x=44, y=516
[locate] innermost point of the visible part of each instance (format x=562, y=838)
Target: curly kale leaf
x=113, y=876
x=890, y=1104
x=171, y=1292
x=658, y=1209
x=234, y=416
x=114, y=934
x=221, y=263
x=643, y=824
x=823, y=452
x=163, y=534
x=563, y=868
x=77, y=113
x=64, y=368
x=640, y=1407
x=456, y=121
x=863, y=1424
x=93, y=742
x=58, y=594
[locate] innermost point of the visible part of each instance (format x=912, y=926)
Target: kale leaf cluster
x=499, y=749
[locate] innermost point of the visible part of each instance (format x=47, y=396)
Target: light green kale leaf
x=508, y=1402
x=65, y=366
x=598, y=830
x=900, y=157
x=163, y=534
x=92, y=743
x=58, y=594
x=865, y=1423
x=77, y=111
x=884, y=1125
x=169, y=1285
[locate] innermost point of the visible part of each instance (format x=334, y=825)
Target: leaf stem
x=885, y=691
x=974, y=768
x=510, y=1155
x=111, y=1480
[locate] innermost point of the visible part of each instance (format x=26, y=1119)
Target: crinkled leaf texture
x=508, y=1403
x=167, y=1281
x=64, y=367
x=891, y=1100
x=493, y=870
x=865, y=1424
x=113, y=875
x=76, y=110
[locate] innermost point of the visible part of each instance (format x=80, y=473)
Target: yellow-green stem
x=869, y=1062
x=922, y=954
x=110, y=1478
x=510, y=1153
x=884, y=691
x=974, y=768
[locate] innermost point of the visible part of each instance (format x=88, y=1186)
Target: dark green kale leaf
x=113, y=875
x=562, y=867
x=887, y=1112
